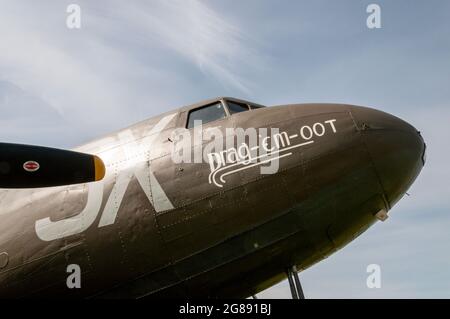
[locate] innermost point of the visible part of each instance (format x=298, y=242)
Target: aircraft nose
x=396, y=148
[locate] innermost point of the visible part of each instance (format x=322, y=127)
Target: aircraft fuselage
x=219, y=227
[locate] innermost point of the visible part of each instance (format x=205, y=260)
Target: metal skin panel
x=155, y=228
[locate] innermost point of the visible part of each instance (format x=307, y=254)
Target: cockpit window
x=235, y=107
x=206, y=114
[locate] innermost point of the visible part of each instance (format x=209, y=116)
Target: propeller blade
x=29, y=166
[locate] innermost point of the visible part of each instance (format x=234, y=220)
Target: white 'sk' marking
x=47, y=230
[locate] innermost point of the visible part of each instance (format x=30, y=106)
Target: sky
x=131, y=60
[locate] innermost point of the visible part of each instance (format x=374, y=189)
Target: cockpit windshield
x=206, y=114
x=217, y=110
x=235, y=107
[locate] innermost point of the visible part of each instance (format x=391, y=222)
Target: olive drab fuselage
x=216, y=228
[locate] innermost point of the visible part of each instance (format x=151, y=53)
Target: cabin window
x=235, y=107
x=206, y=114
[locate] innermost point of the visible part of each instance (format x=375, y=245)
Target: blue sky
x=62, y=87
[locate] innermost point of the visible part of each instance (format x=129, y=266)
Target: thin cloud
x=201, y=35
x=125, y=62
